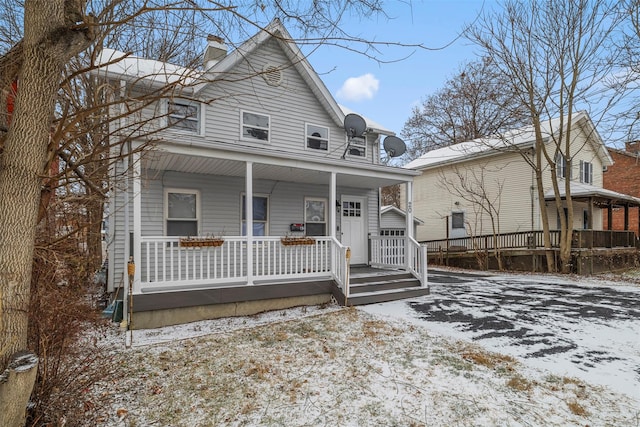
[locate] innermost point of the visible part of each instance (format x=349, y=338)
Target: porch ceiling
x=305, y=173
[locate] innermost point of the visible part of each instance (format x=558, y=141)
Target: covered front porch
x=174, y=263
x=257, y=262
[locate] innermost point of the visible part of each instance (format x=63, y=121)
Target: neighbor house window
x=255, y=126
x=586, y=172
x=317, y=137
x=392, y=232
x=457, y=220
x=182, y=209
x=260, y=215
x=358, y=147
x=315, y=216
x=561, y=166
x=184, y=115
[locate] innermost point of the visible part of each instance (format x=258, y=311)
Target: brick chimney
x=632, y=146
x=216, y=50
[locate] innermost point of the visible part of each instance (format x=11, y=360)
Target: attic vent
x=272, y=75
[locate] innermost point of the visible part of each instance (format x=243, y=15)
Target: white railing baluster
x=165, y=263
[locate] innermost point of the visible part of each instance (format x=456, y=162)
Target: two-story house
x=487, y=187
x=254, y=197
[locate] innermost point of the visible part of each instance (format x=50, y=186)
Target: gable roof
x=392, y=209
x=519, y=139
x=120, y=65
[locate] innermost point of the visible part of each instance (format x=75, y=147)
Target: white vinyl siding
x=507, y=174
x=290, y=106
x=220, y=203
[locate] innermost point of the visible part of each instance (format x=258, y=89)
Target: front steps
x=381, y=286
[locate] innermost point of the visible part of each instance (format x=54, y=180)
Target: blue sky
x=386, y=92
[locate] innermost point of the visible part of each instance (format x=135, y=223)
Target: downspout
x=532, y=193
x=127, y=239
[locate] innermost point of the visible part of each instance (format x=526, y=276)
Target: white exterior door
x=353, y=228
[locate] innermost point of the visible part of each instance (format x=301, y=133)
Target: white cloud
x=359, y=88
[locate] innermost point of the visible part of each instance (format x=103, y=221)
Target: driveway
x=582, y=328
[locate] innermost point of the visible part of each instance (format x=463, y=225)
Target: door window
x=351, y=209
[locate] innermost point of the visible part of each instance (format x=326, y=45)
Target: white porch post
x=409, y=216
x=409, y=219
x=248, y=206
x=332, y=205
x=137, y=222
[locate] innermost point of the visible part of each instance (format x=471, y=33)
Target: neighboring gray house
x=393, y=222
x=254, y=197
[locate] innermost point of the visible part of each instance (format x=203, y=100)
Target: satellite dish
x=354, y=125
x=394, y=146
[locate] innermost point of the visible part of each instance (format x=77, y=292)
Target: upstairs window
x=561, y=166
x=184, y=116
x=317, y=137
x=586, y=172
x=182, y=209
x=255, y=126
x=358, y=147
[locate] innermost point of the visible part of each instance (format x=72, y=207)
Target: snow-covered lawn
x=572, y=326
x=331, y=366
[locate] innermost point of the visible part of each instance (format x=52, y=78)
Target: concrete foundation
x=175, y=316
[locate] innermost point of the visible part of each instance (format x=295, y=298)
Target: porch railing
x=340, y=266
x=417, y=261
x=165, y=264
x=588, y=239
x=273, y=260
x=534, y=239
x=393, y=252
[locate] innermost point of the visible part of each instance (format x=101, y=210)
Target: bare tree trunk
x=546, y=232
x=50, y=37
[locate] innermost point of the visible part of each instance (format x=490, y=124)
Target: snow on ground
x=334, y=366
x=578, y=327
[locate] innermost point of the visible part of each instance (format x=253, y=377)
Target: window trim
x=197, y=219
x=561, y=165
x=586, y=172
x=308, y=136
x=362, y=147
x=243, y=196
x=325, y=215
x=452, y=224
x=199, y=119
x=252, y=139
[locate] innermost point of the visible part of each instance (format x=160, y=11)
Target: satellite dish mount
x=355, y=126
